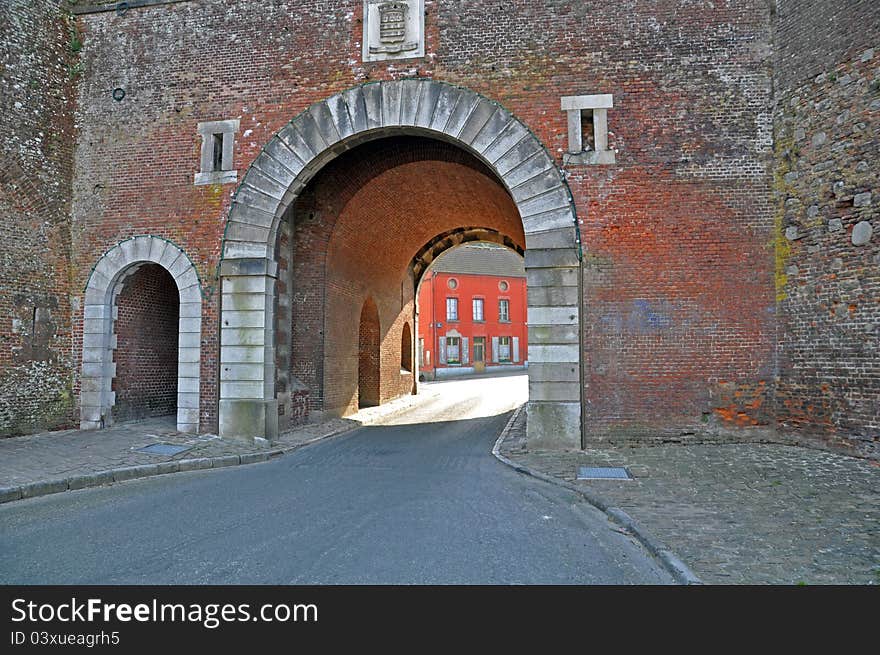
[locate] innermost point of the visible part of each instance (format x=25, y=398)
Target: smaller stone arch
x=443, y=242
x=105, y=282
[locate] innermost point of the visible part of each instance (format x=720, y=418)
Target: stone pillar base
x=553, y=425
x=249, y=419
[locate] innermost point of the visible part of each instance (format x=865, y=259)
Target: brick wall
x=38, y=64
x=678, y=234
x=678, y=277
x=827, y=183
x=146, y=331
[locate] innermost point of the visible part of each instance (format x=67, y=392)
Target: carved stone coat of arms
x=393, y=29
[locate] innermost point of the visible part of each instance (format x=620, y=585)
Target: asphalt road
x=421, y=500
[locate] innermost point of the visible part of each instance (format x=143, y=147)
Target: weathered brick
x=37, y=350
x=829, y=377
x=683, y=298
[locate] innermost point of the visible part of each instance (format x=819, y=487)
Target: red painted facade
x=435, y=325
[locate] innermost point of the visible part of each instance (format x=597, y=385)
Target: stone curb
x=110, y=476
x=669, y=560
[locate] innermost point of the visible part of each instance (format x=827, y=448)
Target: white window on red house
x=504, y=349
x=452, y=309
x=453, y=350
x=478, y=309
x=504, y=310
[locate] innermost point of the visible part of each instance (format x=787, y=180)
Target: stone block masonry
x=827, y=203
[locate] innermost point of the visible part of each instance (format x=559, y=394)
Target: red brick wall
x=679, y=309
x=679, y=284
x=146, y=331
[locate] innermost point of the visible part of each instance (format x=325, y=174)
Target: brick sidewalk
x=740, y=513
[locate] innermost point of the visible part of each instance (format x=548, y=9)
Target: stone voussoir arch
x=347, y=119
x=104, y=284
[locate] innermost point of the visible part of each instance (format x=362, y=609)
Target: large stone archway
x=377, y=110
x=98, y=368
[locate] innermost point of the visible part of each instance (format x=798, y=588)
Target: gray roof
x=481, y=259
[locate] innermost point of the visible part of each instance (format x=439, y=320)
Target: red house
x=472, y=312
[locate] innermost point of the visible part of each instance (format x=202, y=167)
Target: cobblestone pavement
x=740, y=513
x=66, y=453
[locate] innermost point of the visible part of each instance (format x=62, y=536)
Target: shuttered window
x=504, y=349
x=453, y=350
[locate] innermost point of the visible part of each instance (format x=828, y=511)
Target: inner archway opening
x=472, y=313
x=362, y=233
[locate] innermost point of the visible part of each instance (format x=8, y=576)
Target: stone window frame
x=208, y=130
x=598, y=105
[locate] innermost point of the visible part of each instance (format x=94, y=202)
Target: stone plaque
x=394, y=29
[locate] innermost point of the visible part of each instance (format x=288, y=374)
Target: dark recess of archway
x=406, y=346
x=368, y=355
x=146, y=345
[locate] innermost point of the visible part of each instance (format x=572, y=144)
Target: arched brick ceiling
x=390, y=197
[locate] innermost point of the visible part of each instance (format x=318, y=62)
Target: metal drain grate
x=603, y=473
x=162, y=449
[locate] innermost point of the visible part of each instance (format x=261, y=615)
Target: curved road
x=418, y=500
